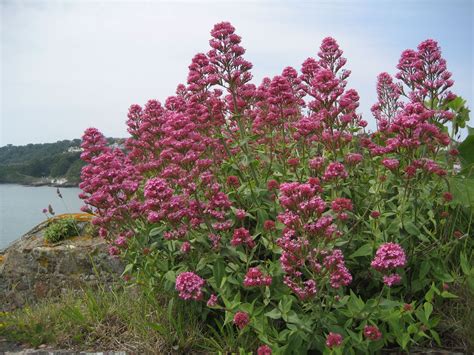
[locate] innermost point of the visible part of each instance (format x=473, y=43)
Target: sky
x=70, y=65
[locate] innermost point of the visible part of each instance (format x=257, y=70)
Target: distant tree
x=23, y=164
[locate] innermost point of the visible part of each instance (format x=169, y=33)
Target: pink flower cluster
x=333, y=340
x=255, y=278
x=392, y=279
x=189, y=285
x=241, y=319
x=339, y=275
x=389, y=256
x=332, y=107
x=304, y=290
x=413, y=128
x=307, y=222
x=109, y=183
x=171, y=172
x=373, y=333
x=212, y=301
x=335, y=170
x=242, y=236
x=390, y=164
x=353, y=158
x=264, y=350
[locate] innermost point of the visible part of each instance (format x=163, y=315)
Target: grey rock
x=32, y=269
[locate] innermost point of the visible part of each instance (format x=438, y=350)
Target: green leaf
x=466, y=268
x=428, y=307
x=424, y=269
x=421, y=316
x=274, y=314
x=219, y=271
x=295, y=343
x=442, y=274
x=404, y=341
x=393, y=227
x=228, y=317
x=127, y=269
x=294, y=318
x=170, y=309
x=463, y=190
x=285, y=304
x=156, y=231
x=355, y=303
x=236, y=301
x=203, y=262
x=435, y=336
x=364, y=250
x=466, y=150
x=158, y=327
x=411, y=228
x=470, y=281
x=446, y=294
x=430, y=294
x=170, y=276
x=224, y=280
x=457, y=104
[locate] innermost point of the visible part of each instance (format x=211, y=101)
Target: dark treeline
x=35, y=163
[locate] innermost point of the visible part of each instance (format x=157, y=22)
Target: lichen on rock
x=32, y=269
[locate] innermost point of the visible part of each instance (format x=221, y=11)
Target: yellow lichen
x=82, y=217
x=43, y=262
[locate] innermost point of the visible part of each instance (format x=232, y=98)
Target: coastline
x=43, y=182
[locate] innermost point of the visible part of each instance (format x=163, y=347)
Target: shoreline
x=42, y=183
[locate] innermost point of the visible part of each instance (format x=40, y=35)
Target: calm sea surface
x=21, y=208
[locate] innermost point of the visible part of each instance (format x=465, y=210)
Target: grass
x=129, y=319
x=457, y=319
x=123, y=319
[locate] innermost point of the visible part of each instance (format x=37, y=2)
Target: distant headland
x=44, y=164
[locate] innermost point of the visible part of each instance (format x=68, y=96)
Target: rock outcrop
x=31, y=268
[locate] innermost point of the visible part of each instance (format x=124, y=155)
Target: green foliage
x=11, y=154
x=60, y=229
x=461, y=113
x=73, y=172
x=118, y=319
x=26, y=164
x=308, y=235
x=466, y=150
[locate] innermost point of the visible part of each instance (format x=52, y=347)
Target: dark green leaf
x=364, y=250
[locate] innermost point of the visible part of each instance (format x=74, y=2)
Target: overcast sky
x=69, y=65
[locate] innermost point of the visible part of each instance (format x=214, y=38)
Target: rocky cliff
x=31, y=268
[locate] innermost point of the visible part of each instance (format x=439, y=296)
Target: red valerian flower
x=269, y=225
x=242, y=236
x=333, y=340
x=241, y=319
x=375, y=214
x=212, y=301
x=447, y=196
x=264, y=350
x=389, y=256
x=392, y=279
x=255, y=277
x=371, y=332
x=189, y=286
x=233, y=181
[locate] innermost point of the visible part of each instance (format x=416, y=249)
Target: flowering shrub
x=271, y=210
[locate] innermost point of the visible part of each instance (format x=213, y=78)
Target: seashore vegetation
x=267, y=219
